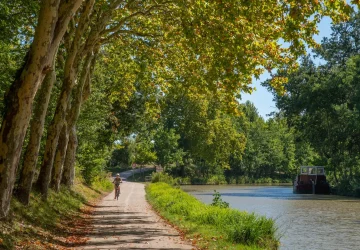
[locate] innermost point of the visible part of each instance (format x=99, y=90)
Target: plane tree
x=226, y=42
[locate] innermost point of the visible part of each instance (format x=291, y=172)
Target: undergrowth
x=214, y=180
x=49, y=224
x=212, y=227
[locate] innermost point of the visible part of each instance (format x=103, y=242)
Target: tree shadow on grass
x=90, y=187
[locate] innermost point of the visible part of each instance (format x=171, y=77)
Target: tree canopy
x=322, y=103
x=80, y=75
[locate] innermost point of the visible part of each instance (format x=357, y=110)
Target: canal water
x=305, y=221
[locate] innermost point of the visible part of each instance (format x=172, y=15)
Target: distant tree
x=270, y=147
x=144, y=153
x=322, y=103
x=167, y=147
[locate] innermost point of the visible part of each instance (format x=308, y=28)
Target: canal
x=304, y=221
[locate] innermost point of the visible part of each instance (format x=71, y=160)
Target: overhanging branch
x=128, y=32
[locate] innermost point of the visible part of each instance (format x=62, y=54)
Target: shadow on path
x=129, y=223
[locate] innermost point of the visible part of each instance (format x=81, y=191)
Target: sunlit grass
x=43, y=223
x=210, y=226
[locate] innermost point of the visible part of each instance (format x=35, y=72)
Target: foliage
x=95, y=133
x=162, y=177
x=218, y=202
x=145, y=152
x=235, y=227
x=207, y=135
x=168, y=72
x=101, y=182
x=166, y=147
x=270, y=147
x=322, y=104
x=122, y=157
x=17, y=20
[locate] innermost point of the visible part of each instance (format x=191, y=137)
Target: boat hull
x=322, y=188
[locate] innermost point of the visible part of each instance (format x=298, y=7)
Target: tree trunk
x=36, y=131
x=54, y=17
x=69, y=165
x=60, y=158
x=60, y=119
x=73, y=60
x=53, y=135
x=69, y=126
x=81, y=95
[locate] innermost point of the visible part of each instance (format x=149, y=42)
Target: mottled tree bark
x=54, y=17
x=36, y=131
x=54, y=130
x=73, y=60
x=80, y=95
x=57, y=124
x=69, y=164
x=60, y=158
x=83, y=92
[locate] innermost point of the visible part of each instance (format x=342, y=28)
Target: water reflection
x=305, y=221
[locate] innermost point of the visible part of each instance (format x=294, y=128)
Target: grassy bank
x=49, y=224
x=211, y=227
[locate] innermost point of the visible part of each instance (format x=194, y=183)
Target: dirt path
x=129, y=223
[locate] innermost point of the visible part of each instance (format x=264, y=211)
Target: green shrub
x=218, y=202
x=102, y=183
x=162, y=177
x=243, y=180
x=276, y=181
x=235, y=226
x=264, y=180
x=216, y=180
x=231, y=180
x=183, y=180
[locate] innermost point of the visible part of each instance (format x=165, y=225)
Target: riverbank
x=210, y=226
x=58, y=223
x=217, y=180
x=326, y=221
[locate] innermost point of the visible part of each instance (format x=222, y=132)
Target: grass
x=49, y=224
x=211, y=227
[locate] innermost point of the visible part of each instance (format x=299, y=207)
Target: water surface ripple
x=305, y=221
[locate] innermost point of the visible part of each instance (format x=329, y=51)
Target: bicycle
x=117, y=192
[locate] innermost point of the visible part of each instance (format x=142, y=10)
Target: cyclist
x=117, y=181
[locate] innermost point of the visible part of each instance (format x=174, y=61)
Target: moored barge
x=311, y=180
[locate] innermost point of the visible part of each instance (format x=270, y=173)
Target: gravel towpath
x=130, y=223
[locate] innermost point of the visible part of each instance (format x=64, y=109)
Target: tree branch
x=66, y=11
x=129, y=32
x=146, y=12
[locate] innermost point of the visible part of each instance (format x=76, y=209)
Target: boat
x=311, y=180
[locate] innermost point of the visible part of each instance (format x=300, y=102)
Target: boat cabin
x=311, y=180
x=308, y=174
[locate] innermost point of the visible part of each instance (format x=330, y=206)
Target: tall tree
x=225, y=42
x=322, y=103
x=53, y=20
x=36, y=131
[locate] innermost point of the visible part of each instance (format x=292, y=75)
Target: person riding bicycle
x=117, y=181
